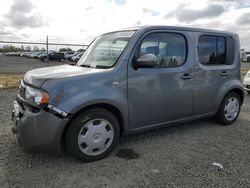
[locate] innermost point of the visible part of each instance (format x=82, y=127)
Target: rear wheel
x=229, y=109
x=93, y=134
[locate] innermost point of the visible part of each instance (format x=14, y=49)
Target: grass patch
x=244, y=70
x=9, y=81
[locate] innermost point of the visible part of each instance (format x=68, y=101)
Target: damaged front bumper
x=39, y=130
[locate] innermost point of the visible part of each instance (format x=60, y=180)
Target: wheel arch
x=109, y=107
x=237, y=90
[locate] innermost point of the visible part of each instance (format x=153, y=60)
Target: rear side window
x=212, y=50
x=169, y=48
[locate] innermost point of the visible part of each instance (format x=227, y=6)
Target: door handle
x=224, y=73
x=186, y=76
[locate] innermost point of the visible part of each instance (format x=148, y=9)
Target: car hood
x=37, y=77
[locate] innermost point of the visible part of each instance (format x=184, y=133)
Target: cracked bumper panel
x=39, y=132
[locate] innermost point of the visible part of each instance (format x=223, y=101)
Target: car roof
x=163, y=27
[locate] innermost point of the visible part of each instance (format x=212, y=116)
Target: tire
x=92, y=135
x=228, y=114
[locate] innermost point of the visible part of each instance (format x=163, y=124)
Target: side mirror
x=145, y=61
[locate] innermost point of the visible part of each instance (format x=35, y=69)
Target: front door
x=163, y=93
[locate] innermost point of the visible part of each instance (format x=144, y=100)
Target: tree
x=28, y=48
x=22, y=48
x=69, y=49
x=65, y=50
x=81, y=50
x=10, y=48
x=35, y=48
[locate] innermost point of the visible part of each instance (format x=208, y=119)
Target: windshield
x=105, y=50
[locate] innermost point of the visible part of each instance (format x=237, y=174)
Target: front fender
x=74, y=93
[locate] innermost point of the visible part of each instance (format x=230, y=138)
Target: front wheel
x=229, y=109
x=93, y=134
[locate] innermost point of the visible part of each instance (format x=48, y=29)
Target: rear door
x=214, y=68
x=163, y=93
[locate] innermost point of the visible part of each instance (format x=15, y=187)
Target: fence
x=46, y=43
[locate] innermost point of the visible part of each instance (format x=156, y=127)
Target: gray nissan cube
x=128, y=81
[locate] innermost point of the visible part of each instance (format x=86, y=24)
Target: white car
x=68, y=54
x=246, y=82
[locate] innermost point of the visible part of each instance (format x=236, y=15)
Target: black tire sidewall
x=79, y=121
x=221, y=115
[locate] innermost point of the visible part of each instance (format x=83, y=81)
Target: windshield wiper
x=95, y=67
x=84, y=65
x=101, y=67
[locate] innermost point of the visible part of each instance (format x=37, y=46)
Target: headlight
x=36, y=96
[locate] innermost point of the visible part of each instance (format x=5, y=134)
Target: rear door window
x=212, y=50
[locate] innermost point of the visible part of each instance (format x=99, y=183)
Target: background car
x=246, y=82
x=77, y=57
x=69, y=57
x=53, y=56
x=68, y=54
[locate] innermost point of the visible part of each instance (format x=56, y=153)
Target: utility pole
x=47, y=48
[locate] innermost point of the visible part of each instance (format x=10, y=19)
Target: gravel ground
x=176, y=156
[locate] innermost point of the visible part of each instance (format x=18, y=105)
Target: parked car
x=68, y=54
x=28, y=54
x=246, y=82
x=129, y=81
x=9, y=53
x=23, y=54
x=44, y=53
x=76, y=57
x=245, y=57
x=34, y=54
x=52, y=56
x=70, y=58
x=13, y=53
x=38, y=54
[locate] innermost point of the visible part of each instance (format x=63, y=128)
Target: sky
x=80, y=21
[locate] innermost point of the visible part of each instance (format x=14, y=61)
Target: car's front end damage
x=38, y=126
x=38, y=114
